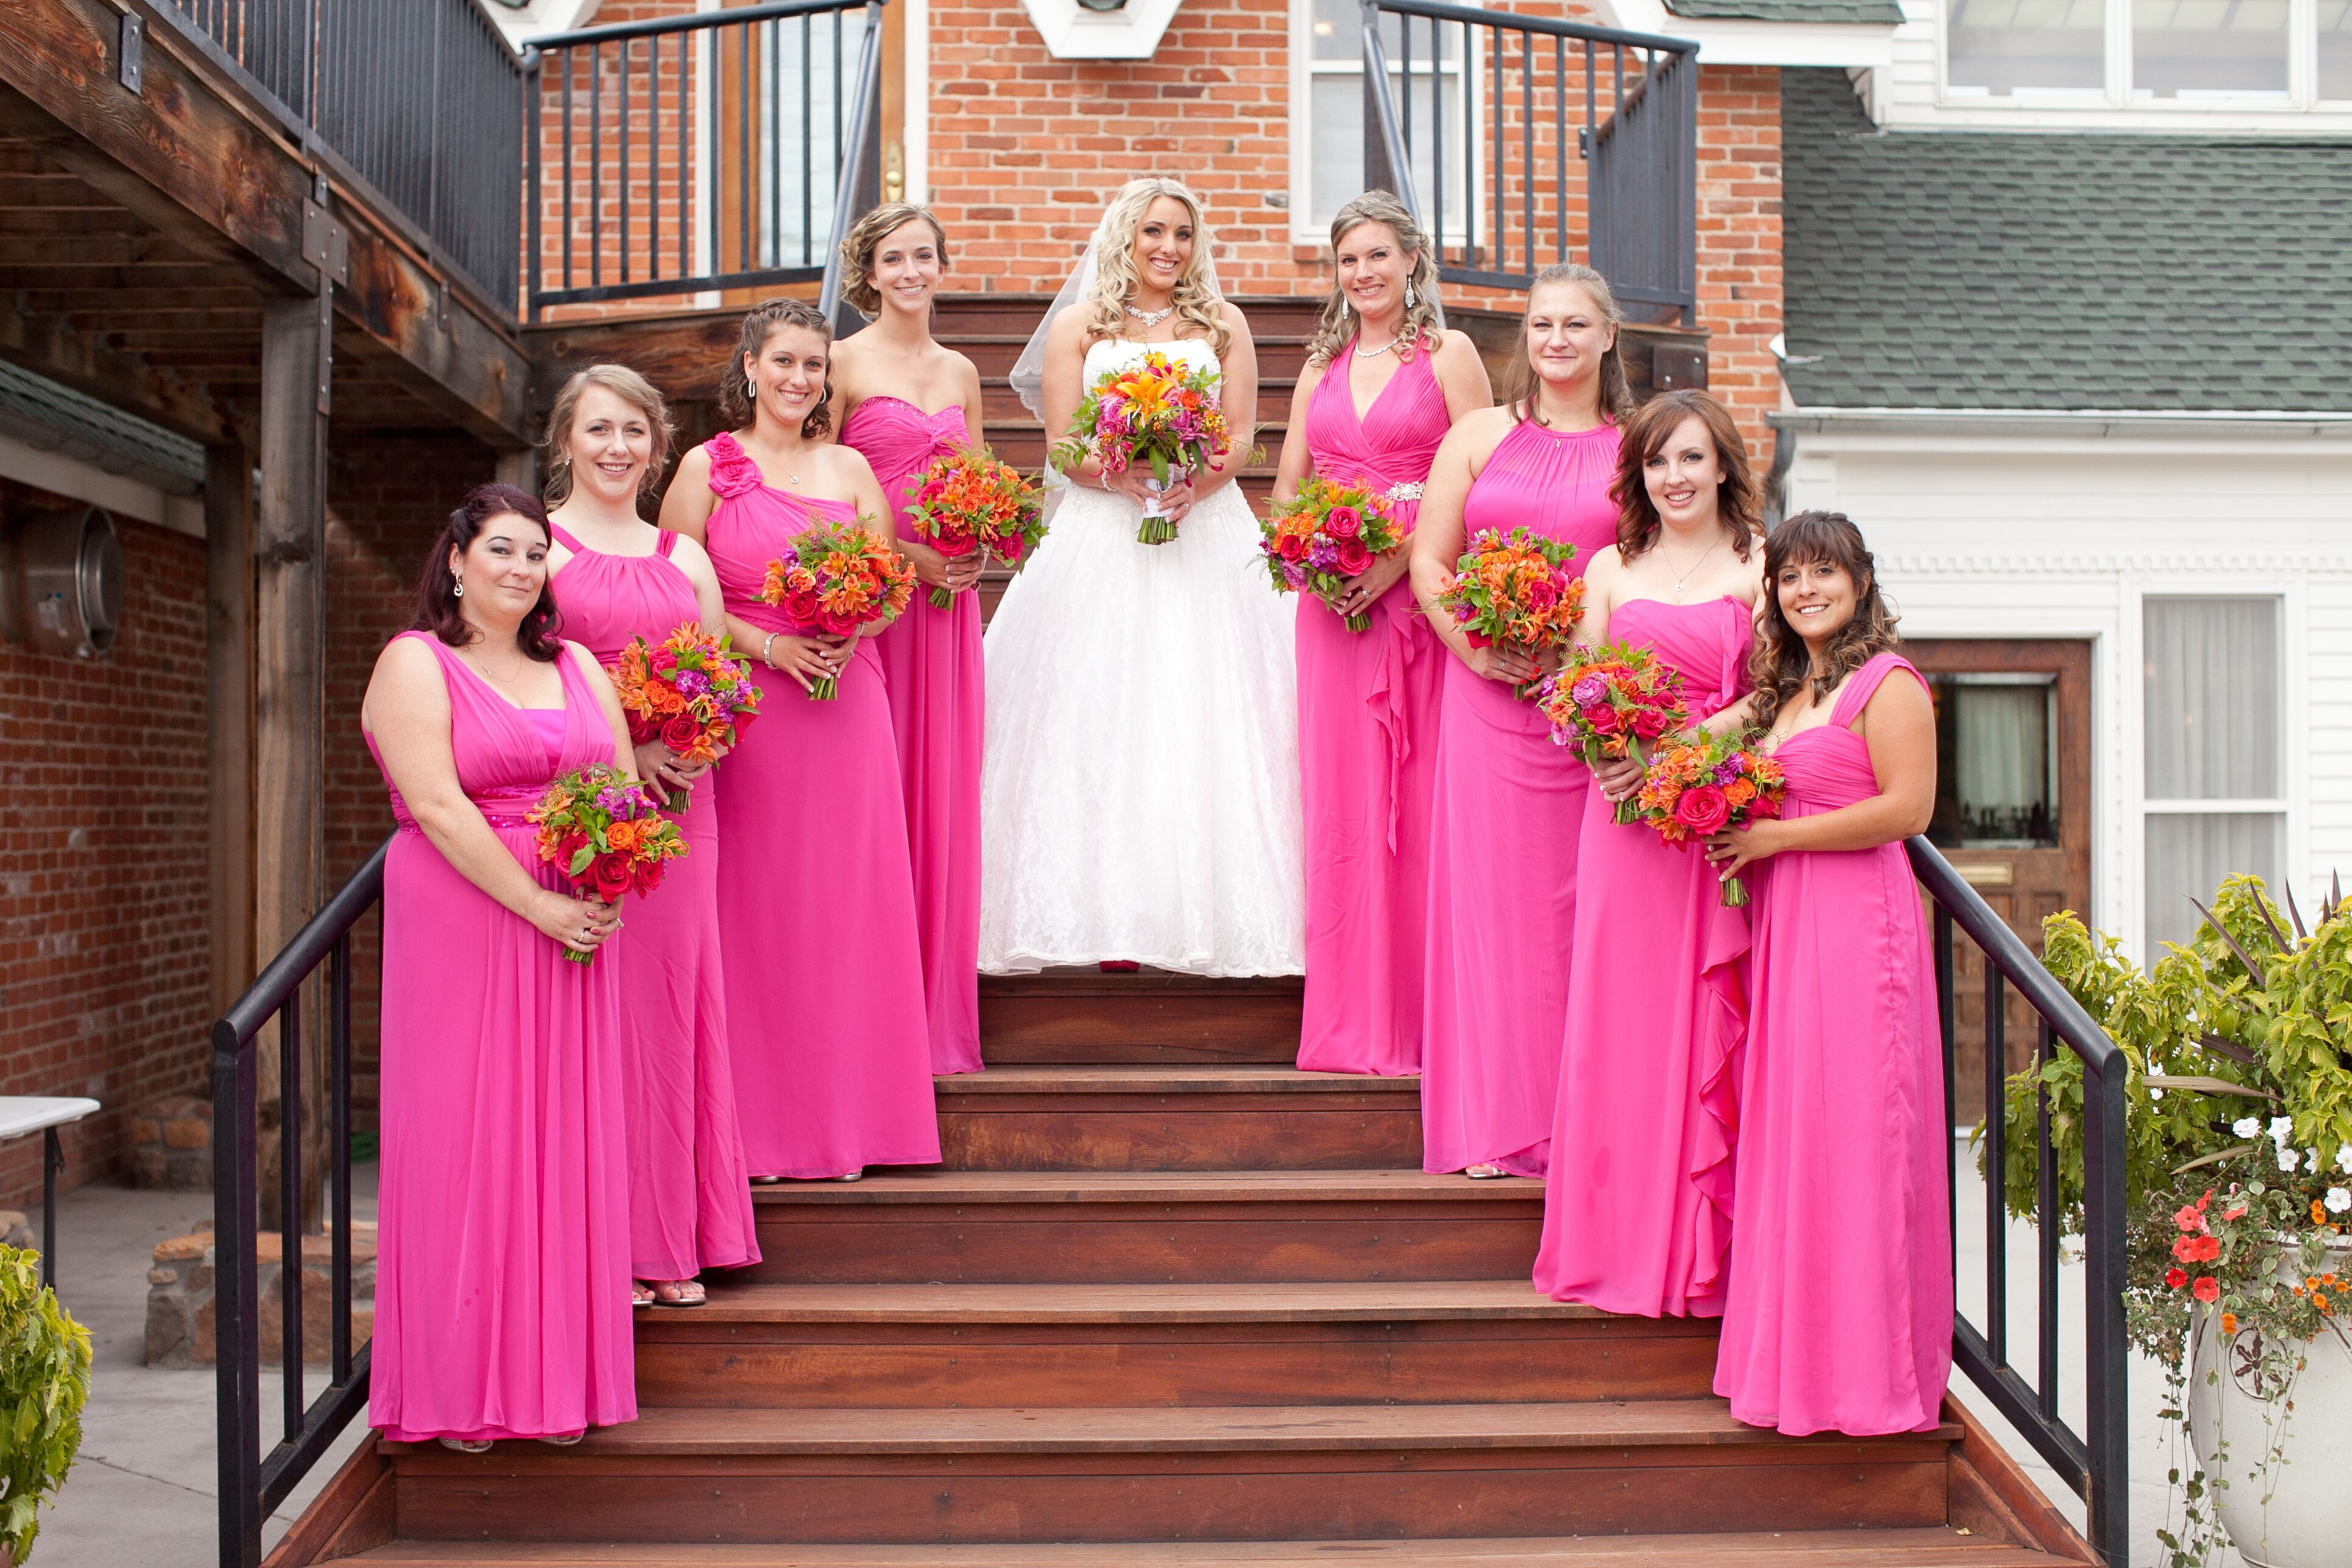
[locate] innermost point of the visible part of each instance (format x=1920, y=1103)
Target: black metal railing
x=724, y=150
x=1480, y=119
x=252, y=1484
x=416, y=106
x=2094, y=1461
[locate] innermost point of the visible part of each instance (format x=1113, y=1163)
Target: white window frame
x=1308, y=229
x=2301, y=97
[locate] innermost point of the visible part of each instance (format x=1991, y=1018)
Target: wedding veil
x=1029, y=371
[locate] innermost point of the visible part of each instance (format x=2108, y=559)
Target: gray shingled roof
x=40, y=413
x=1790, y=10
x=1959, y=269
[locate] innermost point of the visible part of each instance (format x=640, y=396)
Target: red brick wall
x=1739, y=242
x=105, y=982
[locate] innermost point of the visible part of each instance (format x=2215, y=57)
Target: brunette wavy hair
x=1646, y=433
x=1425, y=322
x=1780, y=665
x=865, y=236
x=632, y=389
x=1616, y=392
x=436, y=595
x=760, y=323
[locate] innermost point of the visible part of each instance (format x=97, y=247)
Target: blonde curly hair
x=1116, y=277
x=1424, y=323
x=866, y=235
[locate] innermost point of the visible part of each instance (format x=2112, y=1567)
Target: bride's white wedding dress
x=1139, y=789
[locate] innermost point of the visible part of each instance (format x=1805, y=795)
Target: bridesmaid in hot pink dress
x=825, y=988
x=1637, y=1204
x=1385, y=381
x=503, y=1264
x=1503, y=860
x=690, y=1201
x=1840, y=1314
x=905, y=401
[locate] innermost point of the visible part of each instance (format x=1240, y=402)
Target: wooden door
x=2013, y=809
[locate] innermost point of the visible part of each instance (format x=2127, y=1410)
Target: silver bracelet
x=768, y=650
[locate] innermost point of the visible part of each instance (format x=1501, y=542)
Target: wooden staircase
x=1170, y=1301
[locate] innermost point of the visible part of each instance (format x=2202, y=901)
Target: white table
x=44, y=1114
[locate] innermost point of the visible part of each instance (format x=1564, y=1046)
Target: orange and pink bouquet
x=1155, y=411
x=1608, y=701
x=840, y=578
x=969, y=501
x=1514, y=589
x=690, y=694
x=606, y=835
x=1700, y=784
x=1326, y=534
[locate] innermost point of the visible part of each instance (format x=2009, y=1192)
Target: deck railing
x=2094, y=1461
x=1513, y=138
x=252, y=1484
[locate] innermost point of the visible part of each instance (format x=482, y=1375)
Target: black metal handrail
x=251, y=1484
x=2095, y=1461
x=716, y=208
x=1506, y=161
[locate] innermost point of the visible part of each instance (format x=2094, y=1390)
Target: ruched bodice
x=899, y=440
x=1395, y=441
x=502, y=755
x=1554, y=481
x=608, y=599
x=1828, y=766
x=1706, y=643
x=754, y=523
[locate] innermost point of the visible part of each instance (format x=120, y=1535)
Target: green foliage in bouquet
x=44, y=1382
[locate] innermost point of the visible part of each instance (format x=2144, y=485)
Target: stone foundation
x=180, y=1298
x=171, y=1144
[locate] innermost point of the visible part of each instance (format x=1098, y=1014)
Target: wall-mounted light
x=1102, y=5
x=62, y=590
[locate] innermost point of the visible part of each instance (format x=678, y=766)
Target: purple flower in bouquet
x=690, y=682
x=1588, y=691
x=1323, y=556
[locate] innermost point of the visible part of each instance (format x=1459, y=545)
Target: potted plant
x=2237, y=1175
x=44, y=1382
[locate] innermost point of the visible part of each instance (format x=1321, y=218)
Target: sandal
x=1485, y=1173
x=563, y=1439
x=681, y=1293
x=856, y=1176
x=465, y=1446
x=640, y=1294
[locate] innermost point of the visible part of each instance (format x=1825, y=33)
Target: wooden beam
x=228, y=713
x=454, y=361
x=79, y=360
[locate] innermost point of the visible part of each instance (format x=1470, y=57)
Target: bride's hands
x=1135, y=482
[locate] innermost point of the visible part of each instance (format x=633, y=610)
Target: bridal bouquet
x=969, y=501
x=605, y=835
x=1326, y=535
x=1699, y=784
x=690, y=694
x=1608, y=701
x=841, y=576
x=1514, y=589
x=1155, y=411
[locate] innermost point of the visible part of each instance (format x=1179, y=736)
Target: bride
x=1139, y=791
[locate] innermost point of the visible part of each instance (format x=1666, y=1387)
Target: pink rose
x=613, y=875
x=1649, y=722
x=1702, y=808
x=1542, y=593
x=1293, y=548
x=954, y=545
x=1354, y=557
x=1008, y=549
x=839, y=625
x=1603, y=719
x=1344, y=523
x=801, y=609
x=680, y=735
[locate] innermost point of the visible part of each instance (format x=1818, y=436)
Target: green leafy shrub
x=44, y=1382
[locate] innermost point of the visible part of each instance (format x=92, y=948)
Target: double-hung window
x=2147, y=53
x=1332, y=64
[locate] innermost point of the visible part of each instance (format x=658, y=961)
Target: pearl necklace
x=1384, y=348
x=1151, y=319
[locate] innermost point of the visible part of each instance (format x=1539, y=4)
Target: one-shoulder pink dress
x=1368, y=749
x=502, y=1213
x=1503, y=858
x=1840, y=1314
x=816, y=905
x=689, y=1199
x=1637, y=1204
x=932, y=670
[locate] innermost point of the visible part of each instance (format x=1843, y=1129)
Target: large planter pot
x=2309, y=1516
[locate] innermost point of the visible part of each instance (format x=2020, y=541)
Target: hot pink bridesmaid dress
x=1637, y=1204
x=690, y=1198
x=932, y=670
x=816, y=905
x=1840, y=1313
x=1368, y=749
x=1503, y=858
x=503, y=1213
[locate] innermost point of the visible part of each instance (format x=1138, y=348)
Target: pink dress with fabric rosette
x=1840, y=1315
x=1368, y=707
x=937, y=681
x=816, y=907
x=502, y=1215
x=1503, y=871
x=690, y=1205
x=1637, y=1204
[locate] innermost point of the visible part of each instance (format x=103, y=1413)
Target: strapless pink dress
x=1368, y=751
x=1840, y=1313
x=1637, y=1204
x=502, y=1212
x=816, y=905
x=689, y=1199
x=932, y=670
x=1503, y=860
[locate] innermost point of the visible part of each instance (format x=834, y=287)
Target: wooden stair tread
x=1075, y=981
x=937, y=1186
x=1218, y=1429
x=1928, y=1548
x=1190, y=1077
x=1339, y=1301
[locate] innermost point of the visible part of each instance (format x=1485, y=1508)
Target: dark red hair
x=437, y=597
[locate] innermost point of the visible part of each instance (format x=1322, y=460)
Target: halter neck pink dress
x=1637, y=1204
x=502, y=1240
x=1368, y=749
x=817, y=904
x=932, y=670
x=1840, y=1313
x=1503, y=867
x=689, y=1199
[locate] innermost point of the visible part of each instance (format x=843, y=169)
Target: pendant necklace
x=1151, y=319
x=1683, y=574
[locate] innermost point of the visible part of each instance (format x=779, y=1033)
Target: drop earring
x=457, y=592
x=1408, y=296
